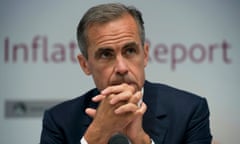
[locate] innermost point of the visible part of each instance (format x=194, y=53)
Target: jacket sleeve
x=198, y=130
x=51, y=133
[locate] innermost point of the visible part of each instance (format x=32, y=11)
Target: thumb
x=90, y=112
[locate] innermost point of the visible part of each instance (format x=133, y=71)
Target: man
x=111, y=38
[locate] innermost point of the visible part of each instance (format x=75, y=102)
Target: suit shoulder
x=77, y=103
x=172, y=93
x=174, y=100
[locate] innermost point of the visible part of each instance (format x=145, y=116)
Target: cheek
x=101, y=76
x=138, y=70
x=139, y=64
x=101, y=69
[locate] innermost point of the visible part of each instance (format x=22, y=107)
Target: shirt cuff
x=83, y=141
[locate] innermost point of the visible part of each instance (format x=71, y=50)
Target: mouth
x=132, y=84
x=121, y=81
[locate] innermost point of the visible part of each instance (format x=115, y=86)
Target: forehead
x=116, y=32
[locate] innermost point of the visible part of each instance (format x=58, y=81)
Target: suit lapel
x=155, y=121
x=86, y=120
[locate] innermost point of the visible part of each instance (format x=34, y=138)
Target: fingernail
x=94, y=98
x=112, y=102
x=117, y=111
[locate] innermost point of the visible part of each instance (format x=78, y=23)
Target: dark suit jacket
x=172, y=117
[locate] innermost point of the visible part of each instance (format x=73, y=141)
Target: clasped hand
x=119, y=111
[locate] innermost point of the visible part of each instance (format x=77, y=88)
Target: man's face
x=115, y=54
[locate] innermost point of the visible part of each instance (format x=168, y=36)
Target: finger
x=129, y=107
x=90, y=112
x=136, y=98
x=124, y=96
x=117, y=89
x=142, y=109
x=98, y=98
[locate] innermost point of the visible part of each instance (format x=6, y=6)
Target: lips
x=118, y=82
x=121, y=81
x=131, y=83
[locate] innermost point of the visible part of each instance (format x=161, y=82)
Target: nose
x=121, y=67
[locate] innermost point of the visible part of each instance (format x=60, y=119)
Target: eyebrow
x=102, y=49
x=110, y=49
x=130, y=44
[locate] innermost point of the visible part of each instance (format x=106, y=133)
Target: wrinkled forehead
x=120, y=30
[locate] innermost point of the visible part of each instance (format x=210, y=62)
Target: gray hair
x=104, y=13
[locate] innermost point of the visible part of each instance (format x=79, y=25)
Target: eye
x=130, y=51
x=105, y=54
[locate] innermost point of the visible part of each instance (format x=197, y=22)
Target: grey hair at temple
x=104, y=13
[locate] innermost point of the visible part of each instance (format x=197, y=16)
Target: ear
x=146, y=56
x=84, y=64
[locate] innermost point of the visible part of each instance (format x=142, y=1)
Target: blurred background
x=194, y=46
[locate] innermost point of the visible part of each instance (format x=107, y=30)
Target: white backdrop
x=194, y=46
